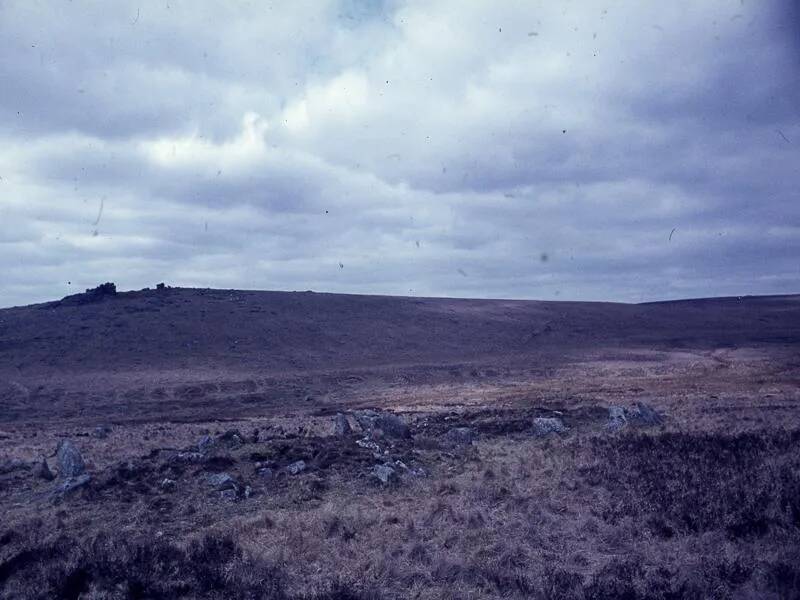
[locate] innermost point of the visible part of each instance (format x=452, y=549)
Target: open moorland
x=194, y=443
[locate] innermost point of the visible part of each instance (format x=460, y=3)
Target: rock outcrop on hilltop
x=97, y=294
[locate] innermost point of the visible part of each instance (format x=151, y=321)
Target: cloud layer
x=527, y=150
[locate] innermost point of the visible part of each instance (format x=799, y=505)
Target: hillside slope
x=295, y=331
x=188, y=354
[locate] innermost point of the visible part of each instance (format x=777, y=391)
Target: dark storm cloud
x=428, y=147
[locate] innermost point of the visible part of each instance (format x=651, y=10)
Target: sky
x=599, y=150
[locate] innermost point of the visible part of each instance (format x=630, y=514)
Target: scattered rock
x=366, y=420
x=72, y=483
x=168, y=485
x=296, y=467
x=222, y=481
x=384, y=473
x=393, y=426
x=370, y=445
x=232, y=437
x=70, y=461
x=228, y=493
x=101, y=431
x=616, y=418
x=640, y=415
x=341, y=426
x=235, y=493
x=616, y=413
x=186, y=457
x=460, y=435
x=375, y=434
x=389, y=424
x=266, y=473
x=228, y=487
x=644, y=415
x=43, y=471
x=543, y=426
x=205, y=444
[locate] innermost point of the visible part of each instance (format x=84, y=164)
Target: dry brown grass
x=639, y=515
x=530, y=519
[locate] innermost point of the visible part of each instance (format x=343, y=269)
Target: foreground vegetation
x=585, y=515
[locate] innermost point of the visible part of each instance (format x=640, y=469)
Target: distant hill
x=276, y=332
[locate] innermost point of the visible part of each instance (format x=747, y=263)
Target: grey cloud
x=259, y=147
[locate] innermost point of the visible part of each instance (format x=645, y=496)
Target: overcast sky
x=548, y=150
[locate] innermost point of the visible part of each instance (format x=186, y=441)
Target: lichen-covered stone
x=543, y=426
x=70, y=461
